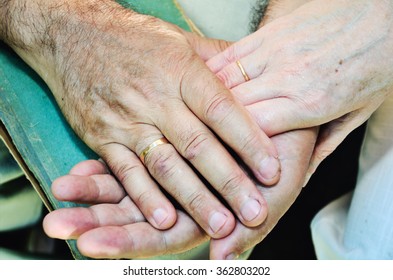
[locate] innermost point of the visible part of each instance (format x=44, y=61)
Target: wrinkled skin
x=120, y=90
x=113, y=227
x=326, y=63
x=288, y=90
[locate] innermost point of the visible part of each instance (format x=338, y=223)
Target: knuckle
x=195, y=144
x=219, y=106
x=162, y=164
x=250, y=143
x=227, y=76
x=196, y=202
x=221, y=45
x=144, y=197
x=231, y=54
x=124, y=171
x=230, y=187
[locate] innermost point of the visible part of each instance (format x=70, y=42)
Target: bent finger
x=205, y=47
x=243, y=70
x=277, y=116
x=235, y=52
x=333, y=134
x=180, y=181
x=295, y=162
x=202, y=149
x=138, y=183
x=219, y=110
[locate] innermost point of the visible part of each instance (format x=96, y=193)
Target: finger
x=295, y=161
x=205, y=47
x=218, y=109
x=244, y=238
x=138, y=183
x=89, y=167
x=70, y=223
x=89, y=182
x=265, y=87
x=130, y=241
x=235, y=52
x=242, y=70
x=180, y=181
x=273, y=119
x=333, y=134
x=200, y=147
x=282, y=114
x=100, y=188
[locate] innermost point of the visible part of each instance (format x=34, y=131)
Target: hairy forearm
x=23, y=22
x=48, y=34
x=38, y=25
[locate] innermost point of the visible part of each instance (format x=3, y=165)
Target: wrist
x=45, y=32
x=21, y=22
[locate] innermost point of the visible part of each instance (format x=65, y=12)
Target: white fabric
x=362, y=227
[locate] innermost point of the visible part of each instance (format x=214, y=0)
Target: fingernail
x=217, y=221
x=159, y=216
x=250, y=210
x=232, y=256
x=269, y=168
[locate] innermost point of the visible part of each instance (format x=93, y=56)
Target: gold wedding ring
x=246, y=77
x=149, y=148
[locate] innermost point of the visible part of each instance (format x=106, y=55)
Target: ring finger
x=180, y=181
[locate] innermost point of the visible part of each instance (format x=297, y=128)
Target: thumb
x=205, y=47
x=332, y=135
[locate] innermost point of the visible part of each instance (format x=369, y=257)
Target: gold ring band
x=149, y=148
x=246, y=77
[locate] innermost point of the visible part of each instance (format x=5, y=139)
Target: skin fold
x=306, y=69
x=121, y=91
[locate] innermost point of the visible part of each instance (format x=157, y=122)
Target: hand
x=113, y=227
x=295, y=149
x=96, y=239
x=327, y=62
x=121, y=91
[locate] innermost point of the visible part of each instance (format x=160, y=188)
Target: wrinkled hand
x=124, y=80
x=327, y=62
x=295, y=149
x=96, y=230
x=113, y=227
x=100, y=233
